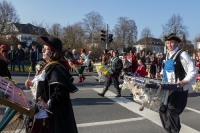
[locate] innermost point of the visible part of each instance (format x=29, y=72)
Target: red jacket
x=141, y=71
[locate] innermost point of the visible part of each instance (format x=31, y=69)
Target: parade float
x=150, y=93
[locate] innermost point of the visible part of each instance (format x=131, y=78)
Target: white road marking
x=84, y=88
x=80, y=89
x=109, y=122
x=149, y=114
x=191, y=109
x=27, y=90
x=105, y=102
x=15, y=131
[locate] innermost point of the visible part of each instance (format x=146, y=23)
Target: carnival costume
x=116, y=67
x=178, y=66
x=41, y=116
x=84, y=61
x=55, y=91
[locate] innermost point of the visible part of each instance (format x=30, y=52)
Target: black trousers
x=169, y=114
x=110, y=80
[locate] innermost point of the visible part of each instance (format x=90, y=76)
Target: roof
x=198, y=40
x=149, y=40
x=30, y=29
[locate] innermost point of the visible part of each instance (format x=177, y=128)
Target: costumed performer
x=116, y=67
x=53, y=91
x=84, y=61
x=41, y=123
x=184, y=72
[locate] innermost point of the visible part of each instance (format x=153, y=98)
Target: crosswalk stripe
x=147, y=113
x=109, y=122
x=194, y=110
x=15, y=131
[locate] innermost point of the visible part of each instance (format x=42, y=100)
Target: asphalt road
x=95, y=114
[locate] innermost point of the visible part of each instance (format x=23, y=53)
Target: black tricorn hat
x=54, y=43
x=172, y=36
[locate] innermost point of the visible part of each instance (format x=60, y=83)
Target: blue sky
x=146, y=13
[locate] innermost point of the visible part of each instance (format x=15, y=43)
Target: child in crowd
x=141, y=70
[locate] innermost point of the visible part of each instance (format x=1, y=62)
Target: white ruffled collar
x=40, y=77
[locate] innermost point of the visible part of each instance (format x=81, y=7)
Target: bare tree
x=73, y=36
x=8, y=42
x=146, y=32
x=115, y=44
x=7, y=16
x=125, y=32
x=175, y=25
x=92, y=24
x=146, y=35
x=55, y=30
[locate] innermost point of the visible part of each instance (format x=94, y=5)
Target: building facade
x=198, y=44
x=148, y=44
x=26, y=32
x=186, y=45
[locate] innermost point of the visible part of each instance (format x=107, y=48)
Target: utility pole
x=106, y=36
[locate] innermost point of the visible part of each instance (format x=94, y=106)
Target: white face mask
x=48, y=53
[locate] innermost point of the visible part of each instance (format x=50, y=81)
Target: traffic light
x=110, y=37
x=103, y=35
